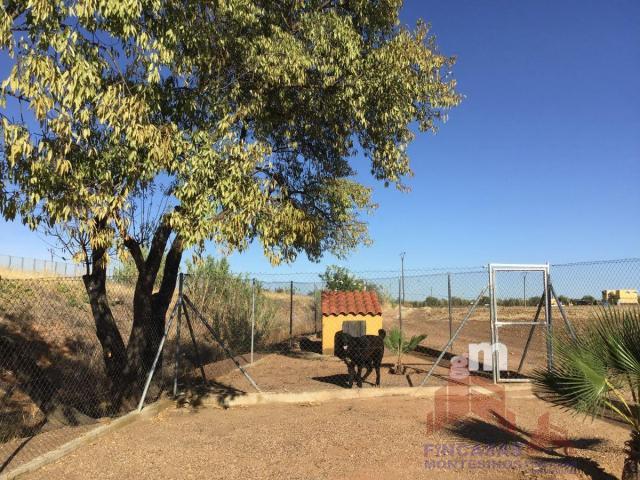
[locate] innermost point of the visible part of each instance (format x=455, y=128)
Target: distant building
x=620, y=297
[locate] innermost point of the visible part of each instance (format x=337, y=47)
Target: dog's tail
x=382, y=333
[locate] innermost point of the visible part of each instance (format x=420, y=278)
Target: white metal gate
x=544, y=321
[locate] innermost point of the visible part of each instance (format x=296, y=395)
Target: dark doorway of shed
x=355, y=328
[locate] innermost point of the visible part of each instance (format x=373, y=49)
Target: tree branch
x=162, y=298
x=136, y=253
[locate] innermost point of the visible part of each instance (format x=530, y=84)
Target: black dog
x=360, y=352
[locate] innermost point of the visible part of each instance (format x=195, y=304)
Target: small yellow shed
x=357, y=313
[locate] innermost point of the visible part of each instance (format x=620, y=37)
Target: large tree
x=247, y=115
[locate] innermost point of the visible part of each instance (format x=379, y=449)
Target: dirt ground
x=304, y=371
x=71, y=354
x=381, y=438
x=308, y=371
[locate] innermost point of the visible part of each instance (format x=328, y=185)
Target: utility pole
x=400, y=304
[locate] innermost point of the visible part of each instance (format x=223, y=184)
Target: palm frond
x=620, y=331
x=587, y=370
x=396, y=341
x=413, y=343
x=393, y=340
x=577, y=381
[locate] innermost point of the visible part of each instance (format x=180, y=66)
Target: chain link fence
x=229, y=335
x=40, y=268
x=53, y=381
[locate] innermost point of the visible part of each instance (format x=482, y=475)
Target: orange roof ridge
x=350, y=303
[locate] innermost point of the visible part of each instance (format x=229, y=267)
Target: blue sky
x=541, y=162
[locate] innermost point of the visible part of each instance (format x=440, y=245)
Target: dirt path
x=351, y=439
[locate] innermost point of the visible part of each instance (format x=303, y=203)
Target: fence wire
x=53, y=380
x=235, y=334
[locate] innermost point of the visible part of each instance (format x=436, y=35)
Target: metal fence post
x=449, y=304
x=155, y=360
x=315, y=309
x=253, y=315
x=547, y=296
x=291, y=315
x=177, y=359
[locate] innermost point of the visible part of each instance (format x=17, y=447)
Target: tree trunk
x=139, y=344
x=631, y=470
x=149, y=312
x=161, y=300
x=113, y=349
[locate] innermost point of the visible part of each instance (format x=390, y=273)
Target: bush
x=341, y=279
x=225, y=298
x=434, y=302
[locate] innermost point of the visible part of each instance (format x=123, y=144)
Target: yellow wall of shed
x=333, y=323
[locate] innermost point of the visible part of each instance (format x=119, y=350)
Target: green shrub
x=341, y=279
x=225, y=298
x=398, y=344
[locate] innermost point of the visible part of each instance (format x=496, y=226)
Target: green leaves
x=398, y=343
x=341, y=279
x=599, y=370
x=250, y=111
x=619, y=329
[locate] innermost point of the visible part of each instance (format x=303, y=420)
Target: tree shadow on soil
x=15, y=452
x=544, y=451
x=195, y=394
x=308, y=345
x=47, y=383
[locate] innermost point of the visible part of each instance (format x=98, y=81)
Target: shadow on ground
x=546, y=451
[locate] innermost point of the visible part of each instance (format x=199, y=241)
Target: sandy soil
x=351, y=439
x=303, y=371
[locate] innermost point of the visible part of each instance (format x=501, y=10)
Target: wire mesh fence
x=229, y=335
x=54, y=383
x=40, y=267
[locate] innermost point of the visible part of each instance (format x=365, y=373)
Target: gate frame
x=545, y=301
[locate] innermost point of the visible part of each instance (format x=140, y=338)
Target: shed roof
x=350, y=303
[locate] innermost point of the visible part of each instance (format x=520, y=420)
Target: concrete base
x=265, y=398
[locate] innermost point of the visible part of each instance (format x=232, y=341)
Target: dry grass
x=18, y=274
x=303, y=315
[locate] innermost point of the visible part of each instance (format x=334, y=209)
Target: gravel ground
x=312, y=372
x=350, y=439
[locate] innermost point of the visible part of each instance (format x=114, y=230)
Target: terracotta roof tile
x=350, y=303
